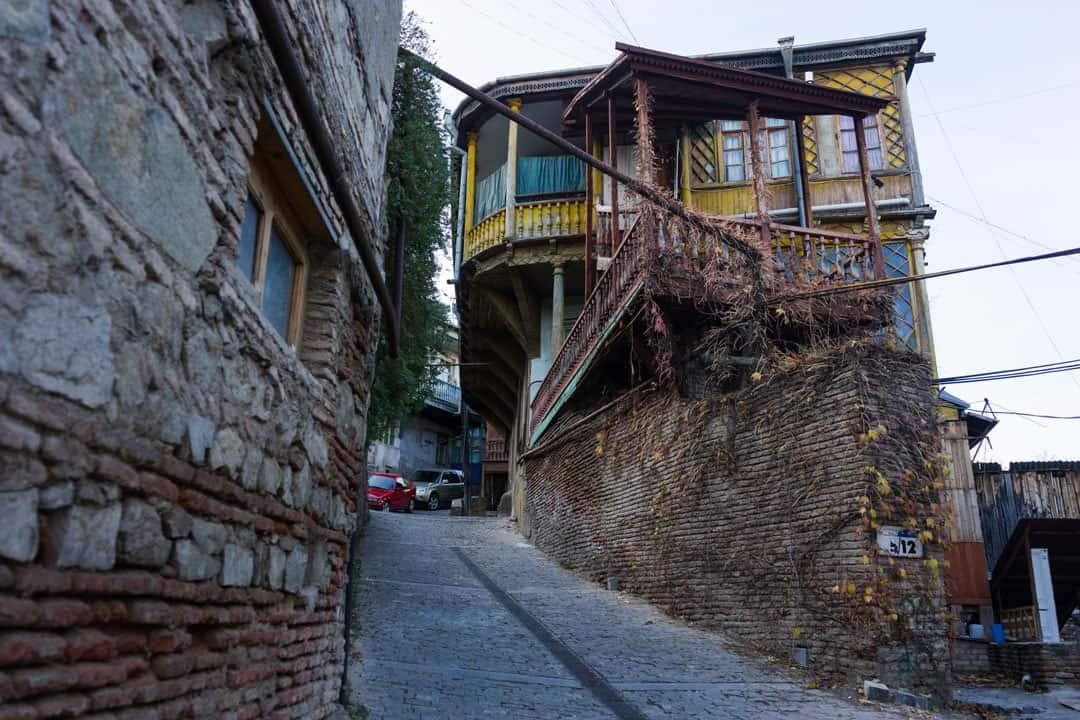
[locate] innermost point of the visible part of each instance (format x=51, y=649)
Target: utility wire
x=997, y=101
x=591, y=4
x=562, y=30
x=588, y=21
x=622, y=17
x=982, y=213
x=1033, y=371
x=1036, y=415
x=903, y=279
x=517, y=33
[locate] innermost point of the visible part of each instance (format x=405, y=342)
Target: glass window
x=775, y=153
x=383, y=482
x=850, y=150
x=279, y=281
x=249, y=238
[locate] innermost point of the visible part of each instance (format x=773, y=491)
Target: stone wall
x=175, y=480
x=1048, y=665
x=749, y=512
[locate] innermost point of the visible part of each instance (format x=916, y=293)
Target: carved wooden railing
x=496, y=451
x=487, y=233
x=604, y=241
x=612, y=292
x=550, y=218
x=800, y=257
x=1021, y=624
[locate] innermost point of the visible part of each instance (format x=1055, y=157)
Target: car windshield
x=385, y=482
x=425, y=476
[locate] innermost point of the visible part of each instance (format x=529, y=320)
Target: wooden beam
x=761, y=200
x=613, y=160
x=504, y=306
x=529, y=309
x=644, y=130
x=590, y=203
x=868, y=197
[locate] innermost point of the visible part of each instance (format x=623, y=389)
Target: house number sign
x=899, y=542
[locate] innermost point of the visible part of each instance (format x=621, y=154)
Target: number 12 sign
x=899, y=542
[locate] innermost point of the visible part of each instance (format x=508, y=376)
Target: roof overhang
x=690, y=88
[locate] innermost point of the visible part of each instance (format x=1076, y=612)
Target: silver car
x=436, y=487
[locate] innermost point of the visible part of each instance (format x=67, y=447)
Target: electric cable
x=517, y=33
x=626, y=25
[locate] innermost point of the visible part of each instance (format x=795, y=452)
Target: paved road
x=462, y=619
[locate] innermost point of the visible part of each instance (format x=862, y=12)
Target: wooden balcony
x=534, y=220
x=800, y=258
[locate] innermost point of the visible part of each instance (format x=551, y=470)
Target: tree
x=418, y=193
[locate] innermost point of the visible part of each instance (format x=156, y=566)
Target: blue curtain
x=550, y=174
x=490, y=194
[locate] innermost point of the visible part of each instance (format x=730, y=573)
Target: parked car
x=390, y=491
x=436, y=487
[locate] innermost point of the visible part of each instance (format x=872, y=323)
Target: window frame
x=276, y=214
x=840, y=129
x=719, y=133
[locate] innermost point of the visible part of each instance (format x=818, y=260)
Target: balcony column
x=613, y=160
x=470, y=180
x=868, y=197
x=684, y=167
x=557, y=309
x=757, y=170
x=511, y=169
x=589, y=243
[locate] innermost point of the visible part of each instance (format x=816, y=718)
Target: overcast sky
x=1005, y=86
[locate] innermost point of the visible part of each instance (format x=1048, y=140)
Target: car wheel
x=412, y=505
x=433, y=502
x=385, y=506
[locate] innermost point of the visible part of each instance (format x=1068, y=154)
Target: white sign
x=898, y=542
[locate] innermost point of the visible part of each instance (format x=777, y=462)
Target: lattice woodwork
x=876, y=81
x=704, y=167
x=810, y=143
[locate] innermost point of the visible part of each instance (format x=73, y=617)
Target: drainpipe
x=358, y=224
x=787, y=53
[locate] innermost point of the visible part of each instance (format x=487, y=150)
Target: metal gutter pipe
x=280, y=44
x=647, y=191
x=787, y=53
x=459, y=240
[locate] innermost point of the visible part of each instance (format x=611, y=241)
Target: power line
x=622, y=17
x=591, y=4
x=997, y=101
x=517, y=33
x=1037, y=415
x=588, y=21
x=1011, y=373
x=982, y=213
x=903, y=279
x=557, y=28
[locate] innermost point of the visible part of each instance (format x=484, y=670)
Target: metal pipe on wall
x=280, y=44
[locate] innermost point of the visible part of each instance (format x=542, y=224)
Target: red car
x=390, y=491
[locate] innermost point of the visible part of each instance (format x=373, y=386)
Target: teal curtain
x=490, y=194
x=550, y=174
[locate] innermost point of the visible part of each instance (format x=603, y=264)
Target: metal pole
x=465, y=457
x=649, y=193
x=360, y=226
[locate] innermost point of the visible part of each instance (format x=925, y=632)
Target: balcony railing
x=564, y=217
x=446, y=396
x=496, y=451
x=800, y=257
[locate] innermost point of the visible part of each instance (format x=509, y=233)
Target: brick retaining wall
x=743, y=512
x=176, y=482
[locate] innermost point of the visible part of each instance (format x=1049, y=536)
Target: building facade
x=187, y=338
x=670, y=358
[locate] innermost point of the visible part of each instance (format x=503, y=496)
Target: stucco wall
x=175, y=497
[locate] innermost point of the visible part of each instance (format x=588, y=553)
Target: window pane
x=778, y=138
x=846, y=123
x=847, y=141
x=732, y=141
x=869, y=121
x=877, y=162
x=781, y=169
x=851, y=162
x=249, y=234
x=734, y=173
x=733, y=157
x=731, y=125
x=775, y=122
x=278, y=288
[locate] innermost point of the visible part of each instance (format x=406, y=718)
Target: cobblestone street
x=460, y=618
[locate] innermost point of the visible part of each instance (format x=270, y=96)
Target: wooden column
x=868, y=197
x=589, y=202
x=613, y=160
x=684, y=167
x=470, y=181
x=644, y=131
x=807, y=197
x=557, y=309
x=757, y=170
x=511, y=170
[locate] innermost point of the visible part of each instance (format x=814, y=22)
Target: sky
x=996, y=144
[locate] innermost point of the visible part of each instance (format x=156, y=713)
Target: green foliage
x=418, y=193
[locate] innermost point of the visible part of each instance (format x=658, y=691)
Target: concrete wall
x=175, y=497
x=747, y=512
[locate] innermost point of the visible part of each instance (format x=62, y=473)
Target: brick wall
x=1048, y=665
x=745, y=512
x=175, y=481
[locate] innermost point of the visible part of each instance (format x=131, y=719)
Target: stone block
x=249, y=473
x=19, y=525
x=320, y=503
x=301, y=486
x=275, y=569
x=177, y=523
x=227, y=451
x=24, y=19
x=119, y=136
x=192, y=563
x=310, y=594
x=877, y=692
x=296, y=569
x=270, y=477
x=209, y=536
x=85, y=537
x=200, y=434
x=56, y=496
x=62, y=346
x=238, y=566
x=914, y=700
x=318, y=566
x=142, y=542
